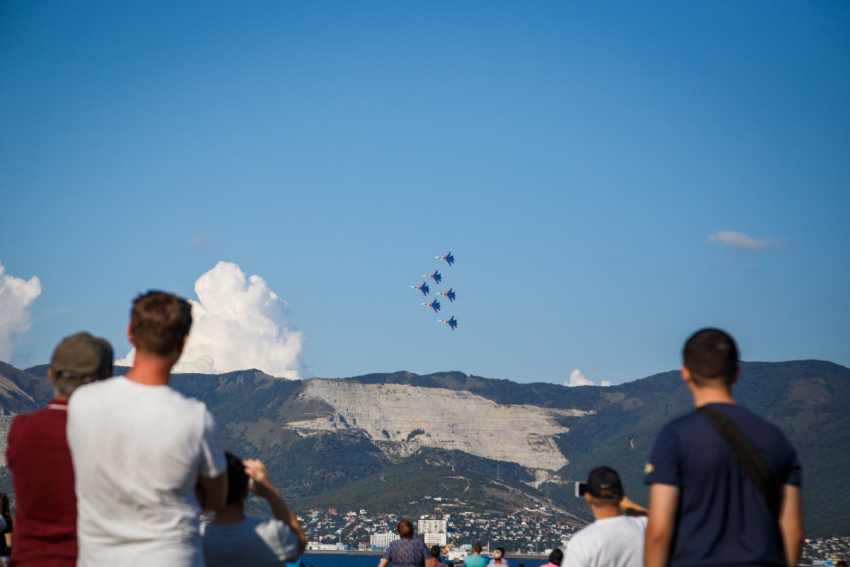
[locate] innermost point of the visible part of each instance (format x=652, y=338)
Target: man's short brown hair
x=711, y=354
x=159, y=322
x=405, y=529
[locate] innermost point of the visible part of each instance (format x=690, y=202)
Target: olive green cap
x=83, y=356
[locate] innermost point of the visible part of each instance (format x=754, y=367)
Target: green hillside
x=806, y=399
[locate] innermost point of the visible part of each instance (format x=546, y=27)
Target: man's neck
x=605, y=512
x=150, y=369
x=711, y=395
x=232, y=514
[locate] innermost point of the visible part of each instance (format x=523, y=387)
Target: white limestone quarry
x=5, y=424
x=449, y=419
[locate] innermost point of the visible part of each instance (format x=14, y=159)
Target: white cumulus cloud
x=577, y=378
x=738, y=240
x=16, y=297
x=238, y=323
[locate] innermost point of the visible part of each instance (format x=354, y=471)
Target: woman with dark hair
x=406, y=551
x=6, y=541
x=555, y=558
x=434, y=560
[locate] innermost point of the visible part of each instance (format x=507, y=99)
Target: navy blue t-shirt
x=722, y=517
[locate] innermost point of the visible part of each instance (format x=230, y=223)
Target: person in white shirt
x=613, y=539
x=233, y=539
x=146, y=458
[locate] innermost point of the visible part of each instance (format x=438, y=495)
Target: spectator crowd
x=116, y=470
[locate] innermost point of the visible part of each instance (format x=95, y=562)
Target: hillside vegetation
x=344, y=467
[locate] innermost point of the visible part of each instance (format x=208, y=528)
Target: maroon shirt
x=37, y=454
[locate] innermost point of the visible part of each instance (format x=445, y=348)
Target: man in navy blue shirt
x=704, y=508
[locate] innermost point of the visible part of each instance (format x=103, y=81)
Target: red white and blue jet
x=450, y=322
x=448, y=294
x=435, y=305
x=434, y=276
x=448, y=258
x=423, y=287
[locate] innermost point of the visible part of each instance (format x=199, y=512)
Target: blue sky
x=575, y=157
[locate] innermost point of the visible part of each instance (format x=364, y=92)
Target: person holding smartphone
x=615, y=538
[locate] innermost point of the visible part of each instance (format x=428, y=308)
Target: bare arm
x=383, y=562
x=264, y=488
x=9, y=541
x=631, y=508
x=663, y=500
x=213, y=492
x=791, y=524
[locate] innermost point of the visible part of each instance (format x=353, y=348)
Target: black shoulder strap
x=761, y=474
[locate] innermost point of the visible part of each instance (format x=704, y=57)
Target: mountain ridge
x=320, y=447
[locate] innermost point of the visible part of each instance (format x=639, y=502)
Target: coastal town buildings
x=382, y=540
x=434, y=532
x=523, y=532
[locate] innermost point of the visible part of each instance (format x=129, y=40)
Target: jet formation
x=448, y=294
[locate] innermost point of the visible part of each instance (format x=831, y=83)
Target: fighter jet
x=449, y=294
x=423, y=287
x=435, y=305
x=450, y=322
x=435, y=276
x=448, y=258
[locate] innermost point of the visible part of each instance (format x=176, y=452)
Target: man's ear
x=50, y=376
x=130, y=335
x=737, y=377
x=587, y=498
x=686, y=374
x=182, y=348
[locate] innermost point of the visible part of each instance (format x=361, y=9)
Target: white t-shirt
x=248, y=543
x=138, y=451
x=612, y=542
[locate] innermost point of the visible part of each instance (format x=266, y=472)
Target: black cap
x=604, y=482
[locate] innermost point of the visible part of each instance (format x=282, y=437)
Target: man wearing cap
x=613, y=539
x=146, y=457
x=707, y=507
x=40, y=462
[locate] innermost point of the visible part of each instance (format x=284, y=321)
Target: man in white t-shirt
x=613, y=539
x=146, y=458
x=233, y=539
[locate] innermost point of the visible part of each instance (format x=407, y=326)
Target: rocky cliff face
x=15, y=399
x=5, y=424
x=400, y=419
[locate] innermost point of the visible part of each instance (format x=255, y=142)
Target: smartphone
x=581, y=488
